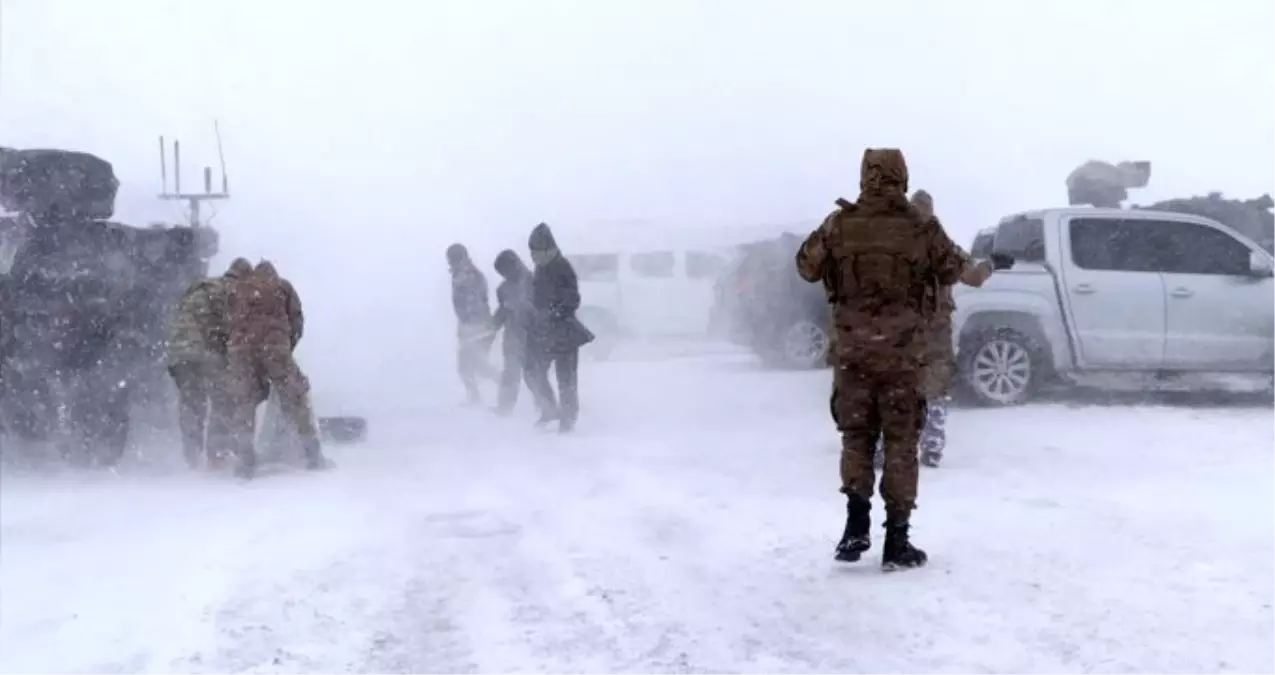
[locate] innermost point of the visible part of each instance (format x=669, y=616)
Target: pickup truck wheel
x=804, y=345
x=1000, y=369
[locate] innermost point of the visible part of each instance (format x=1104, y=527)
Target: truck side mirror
x=1260, y=265
x=1002, y=261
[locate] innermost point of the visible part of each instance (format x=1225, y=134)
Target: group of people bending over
x=231, y=344
x=536, y=310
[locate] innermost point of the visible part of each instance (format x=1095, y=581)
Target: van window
x=704, y=265
x=656, y=264
x=596, y=267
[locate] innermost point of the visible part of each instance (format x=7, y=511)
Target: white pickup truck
x=1117, y=299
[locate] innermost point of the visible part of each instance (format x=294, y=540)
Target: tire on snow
x=801, y=345
x=999, y=367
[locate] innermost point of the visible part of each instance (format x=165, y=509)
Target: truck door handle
x=1083, y=289
x=1182, y=292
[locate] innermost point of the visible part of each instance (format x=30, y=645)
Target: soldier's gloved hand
x=1002, y=261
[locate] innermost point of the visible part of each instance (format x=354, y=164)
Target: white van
x=648, y=284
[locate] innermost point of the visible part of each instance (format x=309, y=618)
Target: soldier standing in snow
x=940, y=365
x=279, y=436
x=473, y=316
x=556, y=335
x=263, y=331
x=940, y=362
x=877, y=255
x=196, y=358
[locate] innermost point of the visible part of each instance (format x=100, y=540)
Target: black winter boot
x=855, y=540
x=899, y=553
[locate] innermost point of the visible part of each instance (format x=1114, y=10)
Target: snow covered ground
x=687, y=527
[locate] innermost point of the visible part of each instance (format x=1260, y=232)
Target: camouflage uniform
x=940, y=363
x=940, y=357
x=940, y=368
x=877, y=256
x=196, y=358
x=265, y=324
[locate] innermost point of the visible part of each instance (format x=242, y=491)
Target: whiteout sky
x=363, y=137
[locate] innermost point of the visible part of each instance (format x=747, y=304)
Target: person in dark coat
x=514, y=315
x=473, y=317
x=557, y=335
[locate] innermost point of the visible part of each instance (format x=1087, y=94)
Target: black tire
x=999, y=367
x=342, y=430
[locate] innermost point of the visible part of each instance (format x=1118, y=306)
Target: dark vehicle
x=983, y=241
x=761, y=303
x=85, y=305
x=1250, y=217
x=1107, y=185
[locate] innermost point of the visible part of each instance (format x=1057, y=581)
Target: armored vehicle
x=1102, y=184
x=84, y=303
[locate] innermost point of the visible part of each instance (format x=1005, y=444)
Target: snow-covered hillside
x=687, y=527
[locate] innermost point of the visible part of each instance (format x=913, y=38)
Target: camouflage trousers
x=933, y=434
x=869, y=405
x=203, y=408
x=254, y=370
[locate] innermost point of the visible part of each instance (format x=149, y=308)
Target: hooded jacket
x=940, y=358
x=469, y=288
x=264, y=310
x=514, y=310
x=555, y=296
x=201, y=323
x=877, y=257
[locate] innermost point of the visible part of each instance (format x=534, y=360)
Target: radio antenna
x=193, y=199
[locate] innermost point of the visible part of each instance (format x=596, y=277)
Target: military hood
x=239, y=269
x=266, y=269
x=510, y=266
x=883, y=172
x=923, y=203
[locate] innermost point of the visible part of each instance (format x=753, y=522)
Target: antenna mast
x=192, y=199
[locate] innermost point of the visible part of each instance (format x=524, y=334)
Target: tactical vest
x=879, y=280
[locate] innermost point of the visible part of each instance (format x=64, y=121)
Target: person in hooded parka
x=514, y=316
x=473, y=321
x=876, y=257
x=556, y=335
x=263, y=331
x=196, y=356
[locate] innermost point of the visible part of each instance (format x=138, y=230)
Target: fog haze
x=362, y=138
